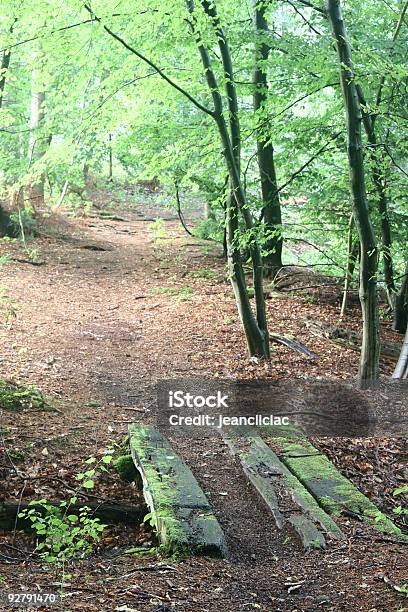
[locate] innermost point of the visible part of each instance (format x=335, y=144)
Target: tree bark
x=110, y=175
x=272, y=215
x=5, y=63
x=401, y=370
x=368, y=372
x=401, y=306
x=352, y=254
x=36, y=143
x=7, y=227
x=377, y=162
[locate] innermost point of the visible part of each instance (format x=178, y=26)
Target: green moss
x=125, y=468
x=333, y=491
x=15, y=397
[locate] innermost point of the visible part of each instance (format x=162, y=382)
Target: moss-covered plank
x=282, y=492
x=333, y=491
x=180, y=510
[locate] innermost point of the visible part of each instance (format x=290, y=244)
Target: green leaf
x=72, y=518
x=89, y=484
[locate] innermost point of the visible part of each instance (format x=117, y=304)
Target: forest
x=203, y=210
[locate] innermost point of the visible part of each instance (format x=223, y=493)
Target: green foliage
x=210, y=229
x=24, y=220
x=157, y=229
x=178, y=294
x=205, y=273
x=63, y=535
x=8, y=307
x=15, y=397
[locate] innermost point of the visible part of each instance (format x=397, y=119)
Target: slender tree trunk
x=5, y=63
x=110, y=175
x=36, y=144
x=401, y=306
x=369, y=258
x=6, y=225
x=377, y=163
x=401, y=369
x=256, y=330
x=352, y=254
x=270, y=195
x=234, y=169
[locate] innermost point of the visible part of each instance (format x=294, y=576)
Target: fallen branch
x=349, y=339
x=293, y=344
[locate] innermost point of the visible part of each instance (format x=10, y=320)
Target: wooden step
x=180, y=510
x=287, y=499
x=333, y=491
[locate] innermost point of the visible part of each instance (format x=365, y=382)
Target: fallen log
x=349, y=339
x=107, y=513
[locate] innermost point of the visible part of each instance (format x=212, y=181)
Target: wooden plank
x=281, y=491
x=183, y=516
x=333, y=491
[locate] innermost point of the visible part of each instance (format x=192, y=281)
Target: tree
x=368, y=247
x=271, y=210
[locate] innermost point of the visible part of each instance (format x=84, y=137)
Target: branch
x=73, y=25
x=318, y=9
x=151, y=64
x=179, y=212
x=295, y=174
x=312, y=28
x=401, y=20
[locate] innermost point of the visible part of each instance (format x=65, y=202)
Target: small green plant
x=15, y=397
x=151, y=519
x=178, y=294
x=401, y=509
x=205, y=273
x=157, y=229
x=63, y=534
x=33, y=255
x=210, y=229
x=66, y=531
x=8, y=307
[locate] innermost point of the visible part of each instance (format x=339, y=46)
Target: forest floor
x=116, y=306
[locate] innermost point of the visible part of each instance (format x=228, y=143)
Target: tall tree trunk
x=7, y=228
x=270, y=195
x=377, y=164
x=369, y=257
x=239, y=196
x=352, y=254
x=256, y=330
x=401, y=369
x=36, y=146
x=401, y=306
x=5, y=63
x=110, y=175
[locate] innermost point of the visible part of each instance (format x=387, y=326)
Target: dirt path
x=98, y=328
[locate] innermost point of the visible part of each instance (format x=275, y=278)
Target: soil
x=114, y=307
